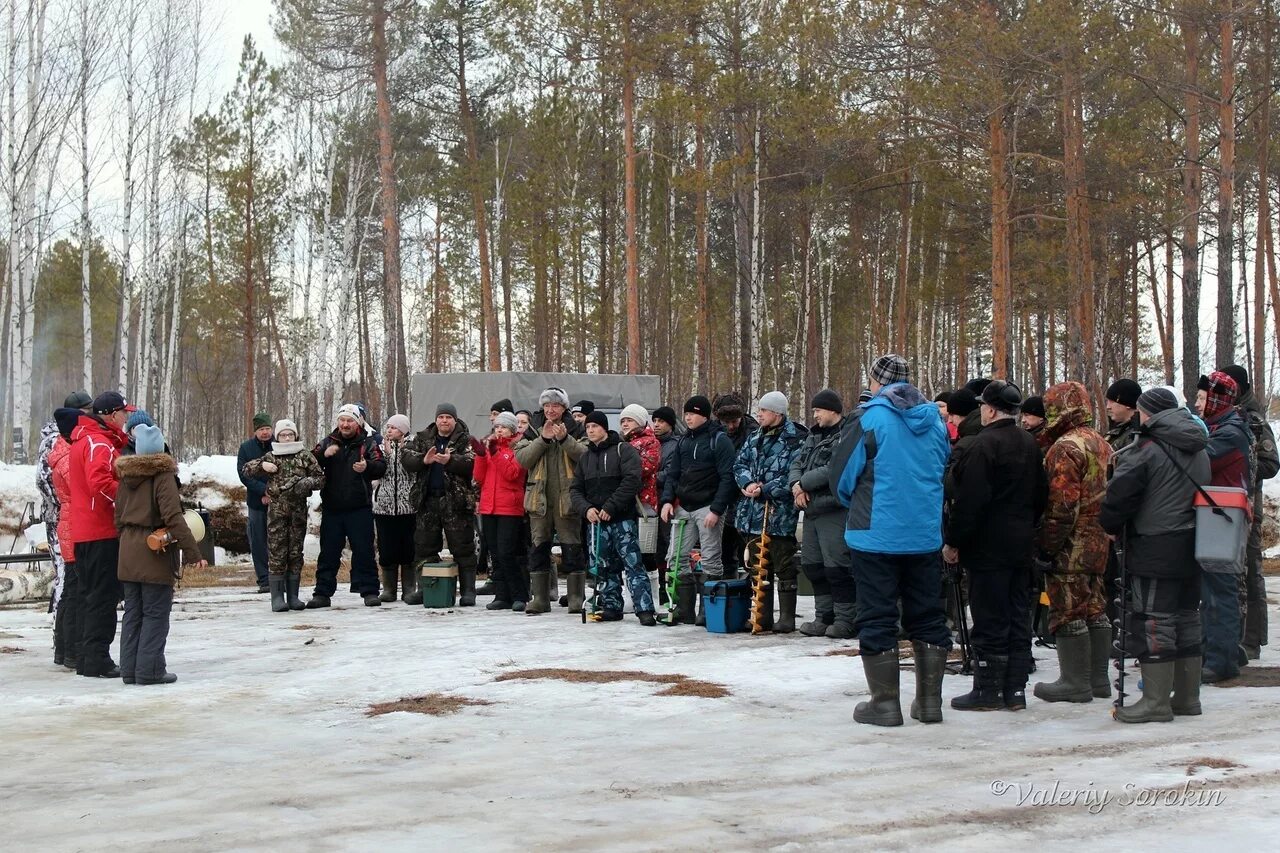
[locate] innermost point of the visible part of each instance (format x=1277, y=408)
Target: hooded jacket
x=458, y=488
x=608, y=477
x=254, y=487
x=501, y=479
x=95, y=444
x=346, y=489
x=701, y=470
x=888, y=471
x=60, y=467
x=647, y=445
x=766, y=458
x=1230, y=451
x=1076, y=464
x=811, y=468
x=148, y=499
x=550, y=465
x=1151, y=500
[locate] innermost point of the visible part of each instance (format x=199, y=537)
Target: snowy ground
x=264, y=744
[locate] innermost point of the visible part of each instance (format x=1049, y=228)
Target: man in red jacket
x=95, y=444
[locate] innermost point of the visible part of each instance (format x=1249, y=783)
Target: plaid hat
x=1125, y=392
x=1220, y=393
x=699, y=405
x=597, y=418
x=77, y=400
x=890, y=368
x=1157, y=400
x=110, y=401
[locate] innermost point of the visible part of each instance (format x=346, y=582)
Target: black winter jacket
x=810, y=467
x=345, y=488
x=608, y=477
x=254, y=487
x=701, y=470
x=1000, y=492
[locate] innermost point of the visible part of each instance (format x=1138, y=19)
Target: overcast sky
x=232, y=20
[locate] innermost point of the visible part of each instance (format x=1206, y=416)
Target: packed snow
x=264, y=743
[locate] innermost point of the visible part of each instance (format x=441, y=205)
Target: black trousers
x=1000, y=601
x=337, y=529
x=395, y=539
x=97, y=562
x=67, y=624
x=504, y=537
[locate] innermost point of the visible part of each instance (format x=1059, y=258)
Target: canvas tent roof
x=474, y=393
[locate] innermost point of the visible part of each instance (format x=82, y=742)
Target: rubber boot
x=823, y=615
x=686, y=603
x=576, y=583
x=276, y=583
x=317, y=601
x=291, y=583
x=1157, y=687
x=988, y=686
x=488, y=587
x=1074, y=659
x=553, y=583
x=1100, y=660
x=786, y=621
x=883, y=709
x=389, y=585
x=539, y=601
x=1186, y=687
x=466, y=587
x=931, y=664
x=411, y=583
x=842, y=628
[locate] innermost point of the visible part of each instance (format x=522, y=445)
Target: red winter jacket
x=60, y=465
x=95, y=444
x=650, y=450
x=501, y=479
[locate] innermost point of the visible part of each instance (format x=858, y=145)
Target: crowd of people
x=874, y=503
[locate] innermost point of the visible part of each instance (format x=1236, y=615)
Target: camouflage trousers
x=615, y=552
x=286, y=530
x=1076, y=598
x=439, y=522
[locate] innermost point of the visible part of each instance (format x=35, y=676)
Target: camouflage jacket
x=459, y=489
x=290, y=487
x=765, y=458
x=1076, y=465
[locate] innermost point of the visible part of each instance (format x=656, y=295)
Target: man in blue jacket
x=888, y=472
x=255, y=495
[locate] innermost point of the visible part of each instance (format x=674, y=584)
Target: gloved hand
x=304, y=487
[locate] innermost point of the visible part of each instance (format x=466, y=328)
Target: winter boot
x=1015, y=681
x=540, y=590
x=467, y=587
x=1100, y=660
x=842, y=628
x=488, y=587
x=882, y=680
x=1186, y=687
x=1154, y=706
x=1073, y=685
x=278, y=604
x=389, y=584
x=576, y=583
x=686, y=602
x=823, y=616
x=553, y=584
x=317, y=601
x=931, y=663
x=647, y=618
x=988, y=686
x=291, y=582
x=410, y=579
x=372, y=600
x=786, y=621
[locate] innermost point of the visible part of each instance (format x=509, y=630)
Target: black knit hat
x=698, y=404
x=829, y=400
x=1034, y=406
x=502, y=406
x=597, y=418
x=962, y=402
x=1002, y=396
x=666, y=414
x=584, y=407
x=1125, y=392
x=944, y=397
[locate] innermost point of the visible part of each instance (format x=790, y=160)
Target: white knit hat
x=286, y=424
x=637, y=413
x=350, y=410
x=400, y=422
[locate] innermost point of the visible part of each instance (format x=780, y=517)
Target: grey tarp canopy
x=475, y=393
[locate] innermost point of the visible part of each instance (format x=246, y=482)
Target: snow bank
x=212, y=480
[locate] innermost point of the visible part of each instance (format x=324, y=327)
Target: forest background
x=731, y=195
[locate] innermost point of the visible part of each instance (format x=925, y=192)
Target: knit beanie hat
x=553, y=395
x=148, y=439
x=597, y=418
x=1002, y=396
x=503, y=405
x=666, y=414
x=890, y=368
x=963, y=402
x=637, y=413
x=138, y=417
x=447, y=409
x=583, y=407
x=828, y=400
x=1157, y=400
x=350, y=410
x=400, y=422
x=698, y=404
x=1125, y=392
x=285, y=424
x=1033, y=406
x=774, y=401
x=260, y=420
x=508, y=420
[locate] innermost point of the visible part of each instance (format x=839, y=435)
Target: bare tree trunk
x=1258, y=373
x=629, y=201
x=1226, y=333
x=1191, y=178
x=1001, y=286
x=397, y=359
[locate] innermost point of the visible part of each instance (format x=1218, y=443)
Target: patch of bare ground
x=309, y=627
x=1254, y=676
x=1210, y=763
x=11, y=650
x=679, y=685
x=435, y=704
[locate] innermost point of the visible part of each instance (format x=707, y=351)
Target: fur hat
x=637, y=413
x=774, y=401
x=286, y=425
x=554, y=396
x=978, y=385
x=728, y=407
x=400, y=422
x=148, y=439
x=350, y=410
x=962, y=402
x=1002, y=396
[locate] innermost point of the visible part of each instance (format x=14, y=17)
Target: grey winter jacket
x=810, y=468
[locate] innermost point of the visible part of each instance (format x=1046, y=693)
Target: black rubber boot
x=576, y=583
x=276, y=583
x=1186, y=687
x=411, y=583
x=988, y=686
x=1100, y=661
x=647, y=618
x=291, y=582
x=488, y=587
x=786, y=621
x=466, y=587
x=1157, y=687
x=686, y=604
x=372, y=600
x=883, y=709
x=389, y=585
x=538, y=602
x=1015, y=681
x=1075, y=660
x=317, y=601
x=931, y=664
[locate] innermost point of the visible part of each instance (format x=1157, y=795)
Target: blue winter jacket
x=888, y=472
x=765, y=458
